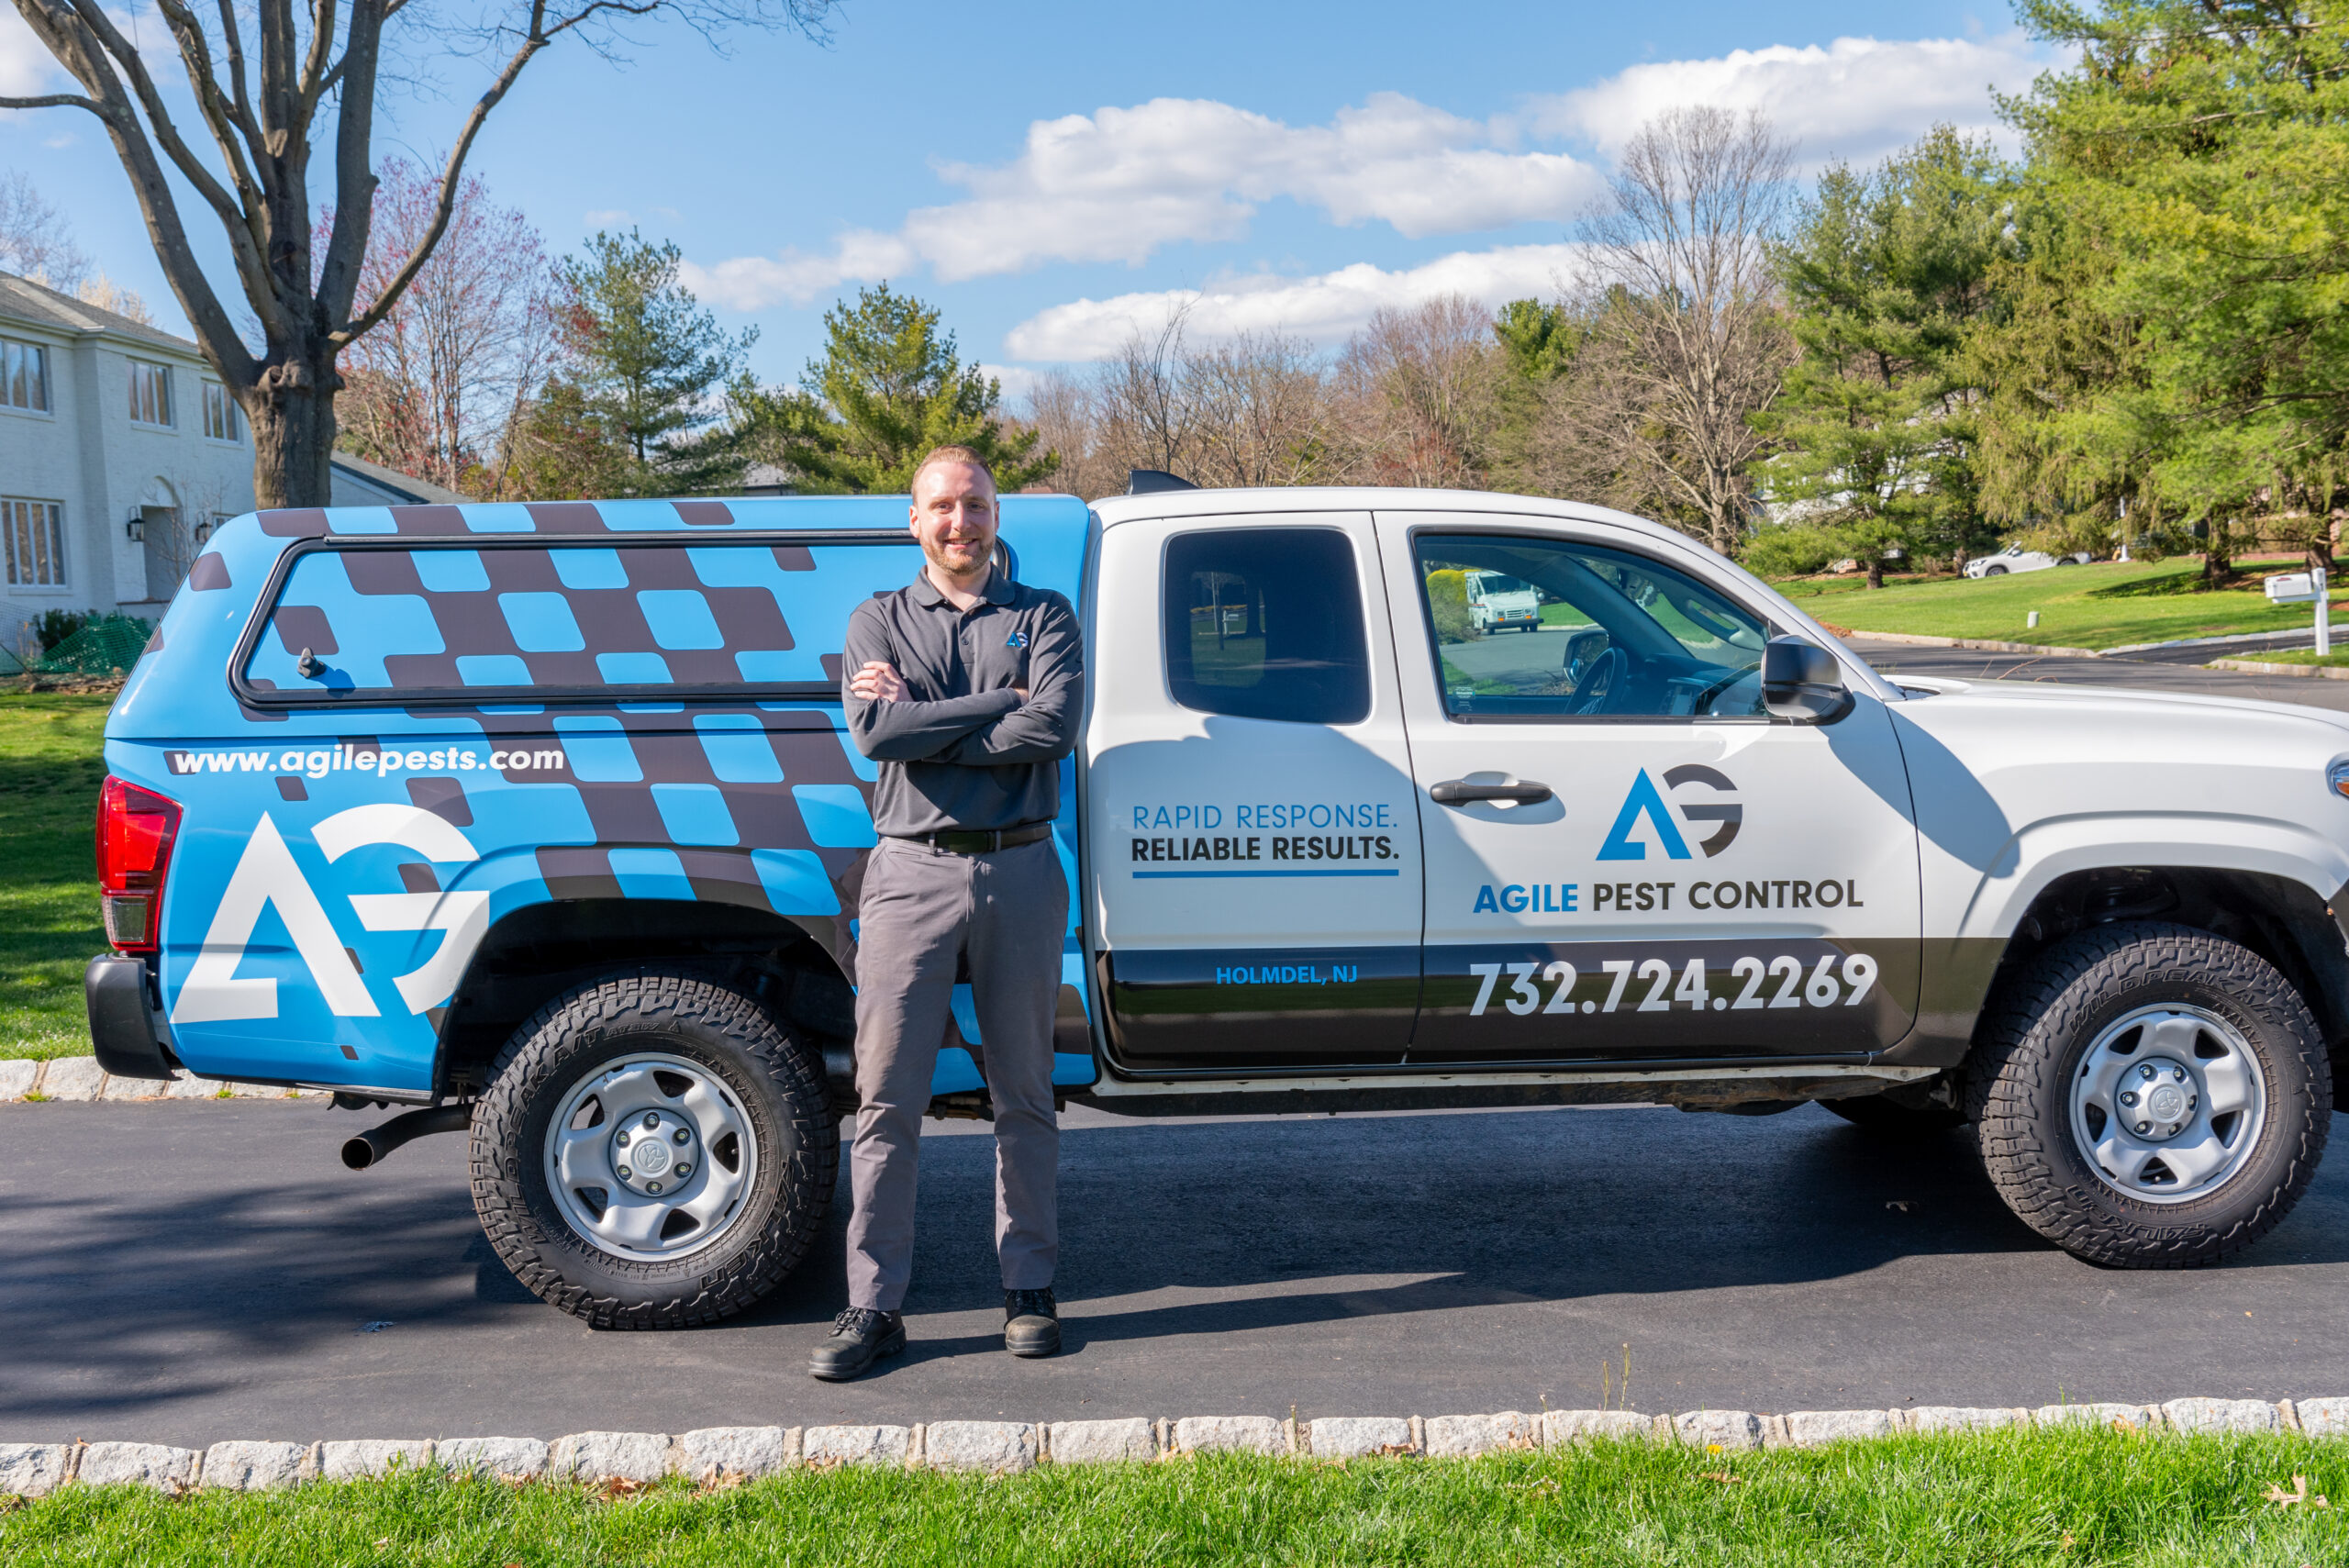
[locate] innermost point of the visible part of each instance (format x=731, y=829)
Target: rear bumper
x=123, y=1030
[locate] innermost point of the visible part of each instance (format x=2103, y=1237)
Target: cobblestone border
x=719, y=1453
x=81, y=1078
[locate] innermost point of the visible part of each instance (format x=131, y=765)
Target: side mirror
x=1583, y=647
x=1802, y=681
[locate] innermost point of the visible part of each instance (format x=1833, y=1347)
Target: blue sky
x=1052, y=174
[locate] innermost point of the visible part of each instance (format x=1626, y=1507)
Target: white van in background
x=1497, y=604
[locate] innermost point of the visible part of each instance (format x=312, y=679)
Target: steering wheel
x=1704, y=699
x=1598, y=682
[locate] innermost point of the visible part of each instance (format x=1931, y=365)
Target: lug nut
x=653, y=1187
x=2128, y=1097
x=2178, y=1074
x=622, y=1139
x=624, y=1170
x=684, y=1170
x=2144, y=1072
x=653, y=1119
x=2144, y=1127
x=682, y=1136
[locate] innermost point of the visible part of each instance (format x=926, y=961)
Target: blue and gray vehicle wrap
x=393, y=731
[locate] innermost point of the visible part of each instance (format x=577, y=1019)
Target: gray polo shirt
x=963, y=750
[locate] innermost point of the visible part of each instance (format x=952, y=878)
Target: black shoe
x=859, y=1337
x=1031, y=1323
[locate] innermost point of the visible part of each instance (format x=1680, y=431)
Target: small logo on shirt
x=1017, y=639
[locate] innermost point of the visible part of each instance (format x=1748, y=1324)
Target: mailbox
x=2291, y=588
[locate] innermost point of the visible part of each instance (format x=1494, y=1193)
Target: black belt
x=977, y=842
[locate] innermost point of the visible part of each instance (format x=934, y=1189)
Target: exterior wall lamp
x=136, y=528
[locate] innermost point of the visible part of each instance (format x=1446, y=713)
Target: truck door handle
x=1460, y=792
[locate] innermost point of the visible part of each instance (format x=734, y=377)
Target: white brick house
x=119, y=451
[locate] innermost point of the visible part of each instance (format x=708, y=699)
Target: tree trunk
x=292, y=414
x=1876, y=572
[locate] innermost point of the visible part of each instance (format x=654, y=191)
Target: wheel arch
x=2304, y=934
x=531, y=955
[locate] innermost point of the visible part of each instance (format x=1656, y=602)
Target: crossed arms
x=983, y=729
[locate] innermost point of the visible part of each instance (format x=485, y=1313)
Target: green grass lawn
x=2105, y=605
x=51, y=766
x=2082, y=1497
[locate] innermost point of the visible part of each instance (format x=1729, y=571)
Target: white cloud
x=1119, y=185
x=607, y=217
x=1019, y=381
x=1855, y=98
x=1322, y=309
x=27, y=68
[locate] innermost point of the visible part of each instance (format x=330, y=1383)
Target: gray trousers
x=924, y=912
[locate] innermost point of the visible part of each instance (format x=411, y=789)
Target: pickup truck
x=540, y=819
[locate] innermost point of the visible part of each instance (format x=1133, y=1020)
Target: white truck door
x=1627, y=859
x=1253, y=848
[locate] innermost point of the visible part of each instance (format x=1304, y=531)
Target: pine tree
x=2202, y=149
x=1538, y=343
x=889, y=387
x=1877, y=420
x=647, y=363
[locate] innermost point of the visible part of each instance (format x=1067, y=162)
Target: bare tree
x=1144, y=409
x=436, y=390
x=1422, y=395
x=1259, y=411
x=1064, y=410
x=257, y=181
x=1688, y=336
x=107, y=295
x=35, y=240
x=1252, y=410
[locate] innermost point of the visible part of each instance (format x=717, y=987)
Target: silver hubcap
x=651, y=1156
x=2167, y=1104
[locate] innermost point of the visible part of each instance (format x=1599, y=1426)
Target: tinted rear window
x=1267, y=623
x=417, y=621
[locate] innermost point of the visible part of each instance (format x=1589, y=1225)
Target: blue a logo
x=1646, y=801
x=1643, y=801
x=1017, y=639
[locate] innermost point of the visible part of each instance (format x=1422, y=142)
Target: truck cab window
x=1536, y=629
x=1267, y=623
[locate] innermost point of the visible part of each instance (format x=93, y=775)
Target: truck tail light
x=135, y=831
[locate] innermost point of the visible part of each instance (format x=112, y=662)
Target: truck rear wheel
x=654, y=1151
x=2152, y=1096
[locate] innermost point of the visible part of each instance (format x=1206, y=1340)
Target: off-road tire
x=779, y=1082
x=2019, y=1083
x=1883, y=1118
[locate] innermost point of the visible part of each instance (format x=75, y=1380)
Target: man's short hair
x=937, y=455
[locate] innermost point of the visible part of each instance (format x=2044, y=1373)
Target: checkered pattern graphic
x=640, y=613
x=710, y=790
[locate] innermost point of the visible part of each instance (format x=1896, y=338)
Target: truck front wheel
x=2151, y=1096
x=652, y=1151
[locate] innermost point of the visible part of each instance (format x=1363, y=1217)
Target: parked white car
x=2014, y=558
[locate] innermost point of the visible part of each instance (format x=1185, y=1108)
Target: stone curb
x=2261, y=667
x=81, y=1078
x=716, y=1456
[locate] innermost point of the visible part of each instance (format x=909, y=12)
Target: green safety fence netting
x=110, y=645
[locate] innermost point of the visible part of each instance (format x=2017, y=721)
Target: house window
x=220, y=420
x=24, y=375
x=151, y=393
x=32, y=536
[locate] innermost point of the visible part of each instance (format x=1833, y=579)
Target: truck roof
x=1114, y=509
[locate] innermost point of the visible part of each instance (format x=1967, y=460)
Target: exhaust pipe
x=369, y=1147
